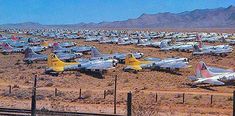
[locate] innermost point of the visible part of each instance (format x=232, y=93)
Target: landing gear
x=55, y=74
x=29, y=62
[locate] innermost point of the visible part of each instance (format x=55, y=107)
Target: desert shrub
x=178, y=96
x=86, y=94
x=49, y=84
x=197, y=97
x=110, y=83
x=142, y=109
x=126, y=81
x=230, y=99
x=16, y=86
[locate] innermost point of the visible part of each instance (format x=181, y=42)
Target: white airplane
x=211, y=75
x=221, y=50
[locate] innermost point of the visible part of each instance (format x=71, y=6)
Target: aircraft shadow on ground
x=168, y=71
x=230, y=83
x=202, y=86
x=95, y=75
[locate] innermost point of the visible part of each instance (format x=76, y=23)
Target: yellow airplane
x=45, y=44
x=99, y=66
x=134, y=64
x=154, y=63
x=56, y=65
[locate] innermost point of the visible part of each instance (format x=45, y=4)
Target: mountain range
x=199, y=18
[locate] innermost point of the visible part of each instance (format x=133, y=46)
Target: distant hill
x=199, y=18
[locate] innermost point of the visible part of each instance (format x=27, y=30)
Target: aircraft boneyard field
x=144, y=84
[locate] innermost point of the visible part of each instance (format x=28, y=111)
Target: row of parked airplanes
x=197, y=47
x=59, y=60
x=169, y=40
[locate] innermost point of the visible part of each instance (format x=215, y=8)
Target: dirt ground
x=144, y=85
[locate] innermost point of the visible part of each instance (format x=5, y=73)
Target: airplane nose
x=186, y=60
x=141, y=54
x=115, y=62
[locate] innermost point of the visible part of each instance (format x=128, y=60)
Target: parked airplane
x=169, y=64
x=9, y=49
x=179, y=46
x=31, y=56
x=55, y=66
x=58, y=49
x=76, y=49
x=211, y=75
x=124, y=41
x=107, y=40
x=81, y=49
x=67, y=44
x=95, y=54
x=221, y=50
x=36, y=48
x=92, y=38
x=69, y=56
x=144, y=42
x=135, y=65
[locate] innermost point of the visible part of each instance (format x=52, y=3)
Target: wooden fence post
x=115, y=94
x=33, y=102
x=156, y=97
x=211, y=99
x=55, y=91
x=9, y=89
x=129, y=103
x=80, y=93
x=233, y=103
x=183, y=98
x=104, y=94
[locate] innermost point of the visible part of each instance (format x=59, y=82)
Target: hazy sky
x=76, y=11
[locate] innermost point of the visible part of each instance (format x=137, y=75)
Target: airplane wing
x=100, y=66
x=152, y=59
x=209, y=81
x=174, y=65
x=82, y=60
x=133, y=67
x=219, y=70
x=58, y=69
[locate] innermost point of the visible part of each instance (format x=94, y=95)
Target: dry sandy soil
x=144, y=85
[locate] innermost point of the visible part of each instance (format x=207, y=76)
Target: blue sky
x=76, y=11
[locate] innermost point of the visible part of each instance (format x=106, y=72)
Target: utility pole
x=129, y=100
x=115, y=94
x=33, y=103
x=233, y=103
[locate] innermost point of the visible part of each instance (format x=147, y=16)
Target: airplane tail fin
x=140, y=41
x=55, y=63
x=14, y=38
x=222, y=38
x=45, y=44
x=131, y=60
x=120, y=40
x=56, y=46
x=7, y=46
x=199, y=40
x=202, y=70
x=95, y=52
x=196, y=48
x=198, y=37
x=200, y=44
x=163, y=44
x=29, y=52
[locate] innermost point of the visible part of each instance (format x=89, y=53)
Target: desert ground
x=144, y=86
